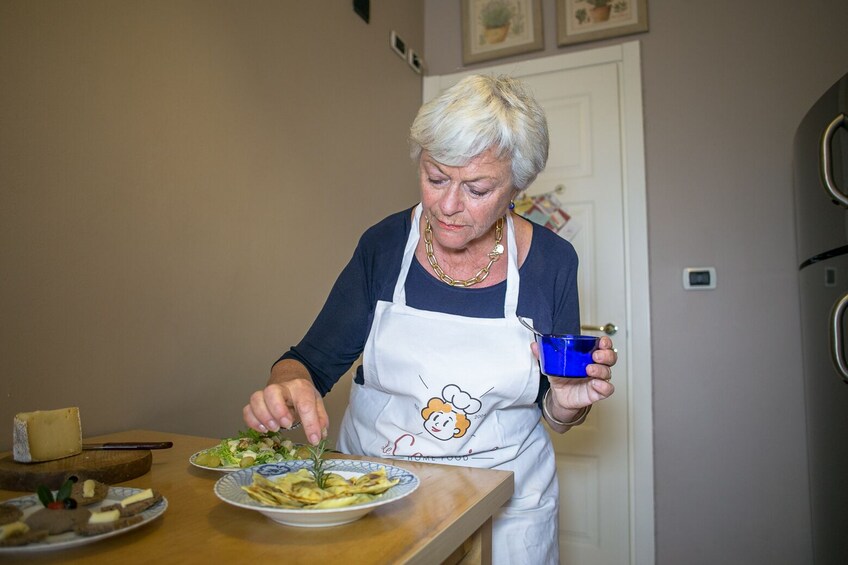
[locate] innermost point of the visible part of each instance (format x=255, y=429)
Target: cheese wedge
x=88, y=488
x=45, y=435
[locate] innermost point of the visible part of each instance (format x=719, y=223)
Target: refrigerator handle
x=826, y=160
x=837, y=352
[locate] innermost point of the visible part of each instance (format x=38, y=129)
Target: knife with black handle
x=128, y=445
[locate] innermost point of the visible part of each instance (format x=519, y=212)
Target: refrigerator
x=820, y=171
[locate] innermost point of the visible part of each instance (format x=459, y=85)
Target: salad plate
x=30, y=504
x=229, y=454
x=220, y=468
x=229, y=489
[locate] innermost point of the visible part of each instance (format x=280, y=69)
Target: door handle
x=608, y=329
x=825, y=160
x=837, y=353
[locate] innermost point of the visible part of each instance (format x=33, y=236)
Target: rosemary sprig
x=316, y=453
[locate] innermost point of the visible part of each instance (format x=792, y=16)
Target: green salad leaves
x=251, y=448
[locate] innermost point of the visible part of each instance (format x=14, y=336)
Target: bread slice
x=97, y=529
x=101, y=490
x=20, y=534
x=9, y=514
x=135, y=507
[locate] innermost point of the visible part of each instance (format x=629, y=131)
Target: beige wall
x=725, y=85
x=180, y=184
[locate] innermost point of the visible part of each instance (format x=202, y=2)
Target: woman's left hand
x=573, y=394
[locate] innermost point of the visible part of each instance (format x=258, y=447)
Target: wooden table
x=448, y=519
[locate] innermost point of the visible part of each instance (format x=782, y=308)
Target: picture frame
x=492, y=29
x=579, y=21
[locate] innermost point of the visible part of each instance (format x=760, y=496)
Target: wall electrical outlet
x=398, y=45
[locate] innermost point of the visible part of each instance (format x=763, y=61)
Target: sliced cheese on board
x=45, y=435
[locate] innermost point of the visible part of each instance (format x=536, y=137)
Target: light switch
x=398, y=45
x=699, y=278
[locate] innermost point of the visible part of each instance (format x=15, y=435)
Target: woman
x=431, y=299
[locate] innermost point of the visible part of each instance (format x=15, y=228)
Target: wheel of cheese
x=108, y=467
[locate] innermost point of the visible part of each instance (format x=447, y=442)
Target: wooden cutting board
x=108, y=467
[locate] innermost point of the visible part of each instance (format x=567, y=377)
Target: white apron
x=451, y=389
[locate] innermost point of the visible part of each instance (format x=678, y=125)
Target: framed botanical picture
x=589, y=20
x=499, y=28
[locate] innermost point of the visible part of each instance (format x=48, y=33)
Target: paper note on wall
x=546, y=210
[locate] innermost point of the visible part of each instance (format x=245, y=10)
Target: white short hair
x=479, y=113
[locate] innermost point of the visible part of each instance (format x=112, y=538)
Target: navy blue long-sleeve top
x=547, y=295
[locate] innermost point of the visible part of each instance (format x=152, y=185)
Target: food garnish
x=62, y=500
x=316, y=453
x=251, y=448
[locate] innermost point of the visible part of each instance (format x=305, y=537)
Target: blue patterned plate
x=228, y=488
x=29, y=504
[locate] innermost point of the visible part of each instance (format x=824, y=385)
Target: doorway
x=595, y=171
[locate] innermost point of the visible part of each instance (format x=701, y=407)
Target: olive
x=70, y=503
x=208, y=460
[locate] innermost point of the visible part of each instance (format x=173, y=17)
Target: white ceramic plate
x=193, y=461
x=228, y=488
x=29, y=504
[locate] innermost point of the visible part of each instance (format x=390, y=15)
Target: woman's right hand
x=288, y=398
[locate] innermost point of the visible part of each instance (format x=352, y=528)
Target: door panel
x=592, y=459
x=585, y=166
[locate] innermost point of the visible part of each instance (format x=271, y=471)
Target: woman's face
x=463, y=203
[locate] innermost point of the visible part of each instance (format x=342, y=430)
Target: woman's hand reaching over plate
x=288, y=399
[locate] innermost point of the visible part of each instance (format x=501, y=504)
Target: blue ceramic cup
x=566, y=355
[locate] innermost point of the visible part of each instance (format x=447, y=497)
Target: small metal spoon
x=529, y=327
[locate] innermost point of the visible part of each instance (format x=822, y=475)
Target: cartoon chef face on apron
x=447, y=416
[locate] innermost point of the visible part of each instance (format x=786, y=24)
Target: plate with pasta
x=290, y=493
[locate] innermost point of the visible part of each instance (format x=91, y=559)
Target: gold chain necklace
x=481, y=275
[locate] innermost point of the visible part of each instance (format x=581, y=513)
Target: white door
x=582, y=97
